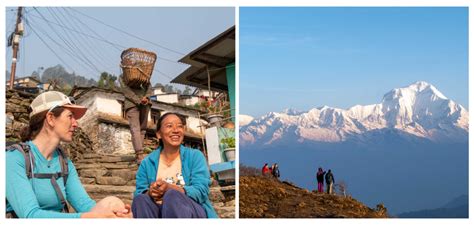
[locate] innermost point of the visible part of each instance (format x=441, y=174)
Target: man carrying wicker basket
x=137, y=67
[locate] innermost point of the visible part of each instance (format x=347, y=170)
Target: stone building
x=108, y=128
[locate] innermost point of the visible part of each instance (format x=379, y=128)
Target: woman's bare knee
x=108, y=204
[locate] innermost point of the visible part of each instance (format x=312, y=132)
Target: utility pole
x=15, y=46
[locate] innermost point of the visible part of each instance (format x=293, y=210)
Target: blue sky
x=180, y=29
x=309, y=57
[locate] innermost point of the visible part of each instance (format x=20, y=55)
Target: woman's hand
x=126, y=213
x=162, y=186
x=154, y=192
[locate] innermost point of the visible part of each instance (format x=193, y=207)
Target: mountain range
x=456, y=208
x=418, y=111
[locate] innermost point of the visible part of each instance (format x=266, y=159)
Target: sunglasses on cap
x=71, y=99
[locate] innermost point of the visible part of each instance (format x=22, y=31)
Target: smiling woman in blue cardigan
x=173, y=181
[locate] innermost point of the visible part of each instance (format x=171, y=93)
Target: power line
x=45, y=43
x=100, y=53
x=101, y=39
x=92, y=30
x=72, y=43
x=81, y=44
x=58, y=44
x=125, y=32
x=108, y=42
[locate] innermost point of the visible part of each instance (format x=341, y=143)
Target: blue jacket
x=195, y=173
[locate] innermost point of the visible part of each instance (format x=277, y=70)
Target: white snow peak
x=418, y=109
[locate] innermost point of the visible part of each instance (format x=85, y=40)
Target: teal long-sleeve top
x=195, y=173
x=36, y=198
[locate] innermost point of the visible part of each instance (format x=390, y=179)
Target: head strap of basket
x=137, y=66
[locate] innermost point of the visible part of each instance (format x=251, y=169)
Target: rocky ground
x=102, y=175
x=266, y=197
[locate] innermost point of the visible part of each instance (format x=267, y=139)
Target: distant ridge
x=416, y=111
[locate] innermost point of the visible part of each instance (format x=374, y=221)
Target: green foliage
x=229, y=142
x=168, y=88
x=107, y=80
x=102, y=80
x=187, y=91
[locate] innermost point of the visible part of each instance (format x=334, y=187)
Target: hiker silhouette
x=320, y=179
x=275, y=171
x=265, y=170
x=329, y=182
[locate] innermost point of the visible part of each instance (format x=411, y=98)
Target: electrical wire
x=72, y=43
x=46, y=44
x=58, y=44
x=125, y=32
x=94, y=47
x=106, y=41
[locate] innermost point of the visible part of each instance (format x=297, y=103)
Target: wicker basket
x=137, y=66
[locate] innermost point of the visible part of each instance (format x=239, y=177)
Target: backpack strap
x=53, y=177
x=63, y=160
x=24, y=148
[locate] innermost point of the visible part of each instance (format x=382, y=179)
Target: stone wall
x=112, y=139
x=17, y=117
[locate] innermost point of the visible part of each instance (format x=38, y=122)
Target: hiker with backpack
x=329, y=182
x=173, y=181
x=40, y=179
x=275, y=171
x=320, y=179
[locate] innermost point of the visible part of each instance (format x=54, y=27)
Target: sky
x=304, y=58
x=91, y=39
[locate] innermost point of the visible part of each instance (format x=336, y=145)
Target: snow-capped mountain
x=244, y=120
x=418, y=110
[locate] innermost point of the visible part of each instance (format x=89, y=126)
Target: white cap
x=52, y=99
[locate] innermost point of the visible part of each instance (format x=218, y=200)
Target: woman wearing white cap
x=39, y=180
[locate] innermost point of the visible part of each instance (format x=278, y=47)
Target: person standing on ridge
x=320, y=179
x=265, y=170
x=329, y=182
x=275, y=171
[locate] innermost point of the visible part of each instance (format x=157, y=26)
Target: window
x=155, y=116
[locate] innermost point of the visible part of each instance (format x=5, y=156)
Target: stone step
x=94, y=157
x=118, y=165
x=98, y=189
x=227, y=215
x=215, y=195
x=116, y=181
x=127, y=199
x=91, y=156
x=115, y=158
x=92, y=173
x=226, y=211
x=230, y=203
x=228, y=188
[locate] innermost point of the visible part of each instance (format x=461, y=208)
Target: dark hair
x=162, y=117
x=36, y=124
